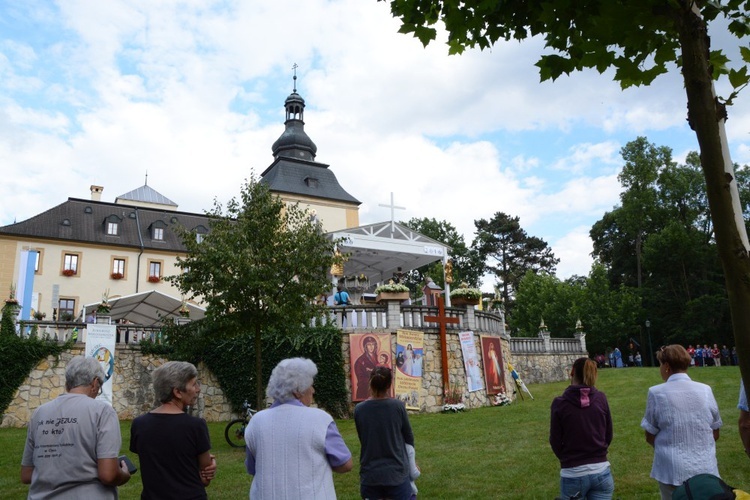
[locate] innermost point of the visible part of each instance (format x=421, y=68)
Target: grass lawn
x=484, y=453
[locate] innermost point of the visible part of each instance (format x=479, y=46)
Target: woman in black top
x=384, y=431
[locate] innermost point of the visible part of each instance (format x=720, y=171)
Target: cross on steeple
x=442, y=320
x=392, y=206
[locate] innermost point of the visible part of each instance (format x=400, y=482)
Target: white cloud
x=193, y=91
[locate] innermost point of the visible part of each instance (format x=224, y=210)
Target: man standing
x=73, y=441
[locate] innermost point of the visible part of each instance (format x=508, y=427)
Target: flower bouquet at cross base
x=453, y=400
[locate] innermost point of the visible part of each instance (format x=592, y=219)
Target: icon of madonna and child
x=367, y=352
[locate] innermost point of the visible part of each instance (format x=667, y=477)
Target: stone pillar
x=582, y=339
x=393, y=316
x=544, y=335
x=471, y=318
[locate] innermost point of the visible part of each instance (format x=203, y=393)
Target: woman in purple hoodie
x=580, y=432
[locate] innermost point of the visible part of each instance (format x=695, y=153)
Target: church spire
x=294, y=142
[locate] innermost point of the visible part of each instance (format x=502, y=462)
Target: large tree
x=260, y=267
x=640, y=39
x=509, y=252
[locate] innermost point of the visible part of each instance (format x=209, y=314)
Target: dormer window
x=157, y=230
x=112, y=225
x=311, y=182
x=200, y=233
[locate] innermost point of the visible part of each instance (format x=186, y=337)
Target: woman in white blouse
x=682, y=423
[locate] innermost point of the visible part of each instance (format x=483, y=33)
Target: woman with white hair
x=292, y=449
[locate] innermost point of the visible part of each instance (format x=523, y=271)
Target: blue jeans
x=593, y=487
x=398, y=492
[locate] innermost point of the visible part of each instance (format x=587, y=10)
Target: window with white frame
x=70, y=262
x=112, y=228
x=118, y=266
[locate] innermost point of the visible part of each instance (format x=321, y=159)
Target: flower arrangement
x=39, y=316
x=11, y=300
x=465, y=292
x=69, y=272
x=392, y=287
x=103, y=307
x=154, y=279
x=501, y=400
x=453, y=400
x=184, y=310
x=116, y=276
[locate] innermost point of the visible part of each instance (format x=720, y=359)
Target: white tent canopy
x=145, y=308
x=380, y=250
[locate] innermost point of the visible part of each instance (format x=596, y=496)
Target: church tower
x=296, y=177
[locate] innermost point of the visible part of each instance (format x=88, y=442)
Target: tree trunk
x=258, y=369
x=706, y=117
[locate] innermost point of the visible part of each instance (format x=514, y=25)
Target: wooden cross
x=392, y=206
x=441, y=319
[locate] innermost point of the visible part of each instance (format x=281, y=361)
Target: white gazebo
x=382, y=249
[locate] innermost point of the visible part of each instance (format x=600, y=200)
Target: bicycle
x=234, y=432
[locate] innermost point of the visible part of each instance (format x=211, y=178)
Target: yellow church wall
x=94, y=271
x=334, y=215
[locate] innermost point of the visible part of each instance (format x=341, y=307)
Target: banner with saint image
x=409, y=365
x=100, y=345
x=492, y=359
x=471, y=362
x=366, y=351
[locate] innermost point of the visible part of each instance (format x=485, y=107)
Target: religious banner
x=409, y=363
x=100, y=344
x=492, y=359
x=471, y=363
x=366, y=351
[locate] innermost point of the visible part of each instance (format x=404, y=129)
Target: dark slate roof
x=304, y=178
x=84, y=221
x=146, y=194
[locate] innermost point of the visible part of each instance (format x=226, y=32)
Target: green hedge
x=231, y=358
x=18, y=357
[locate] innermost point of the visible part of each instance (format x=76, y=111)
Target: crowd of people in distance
x=293, y=449
x=699, y=356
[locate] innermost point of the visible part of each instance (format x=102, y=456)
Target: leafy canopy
x=638, y=38
x=262, y=262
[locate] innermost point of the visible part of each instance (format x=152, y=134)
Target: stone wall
x=133, y=395
x=544, y=368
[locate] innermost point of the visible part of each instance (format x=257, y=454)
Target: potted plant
x=116, y=276
x=392, y=291
x=39, y=316
x=184, y=310
x=465, y=296
x=69, y=272
x=154, y=279
x=11, y=300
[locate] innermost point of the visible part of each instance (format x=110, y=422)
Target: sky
x=192, y=93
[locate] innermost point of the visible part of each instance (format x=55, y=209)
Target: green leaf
x=738, y=78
